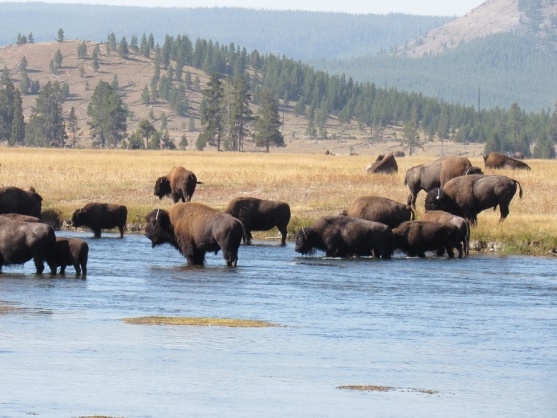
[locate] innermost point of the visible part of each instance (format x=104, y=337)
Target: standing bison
x=344, y=236
x=179, y=183
x=385, y=164
x=416, y=237
x=23, y=241
x=436, y=174
x=497, y=160
x=379, y=209
x=260, y=215
x=467, y=196
x=72, y=252
x=193, y=229
x=23, y=201
x=99, y=216
x=462, y=224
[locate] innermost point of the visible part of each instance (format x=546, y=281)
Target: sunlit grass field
x=313, y=186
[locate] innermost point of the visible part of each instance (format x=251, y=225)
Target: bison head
x=159, y=228
x=474, y=170
x=437, y=199
x=304, y=241
x=162, y=187
x=78, y=218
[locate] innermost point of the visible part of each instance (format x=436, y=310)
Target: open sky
x=416, y=7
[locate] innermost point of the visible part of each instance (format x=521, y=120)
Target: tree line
x=244, y=77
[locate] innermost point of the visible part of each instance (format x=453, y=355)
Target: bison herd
x=369, y=226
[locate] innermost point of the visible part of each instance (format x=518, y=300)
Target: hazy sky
x=420, y=7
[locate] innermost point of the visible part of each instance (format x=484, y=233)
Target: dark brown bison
x=436, y=174
x=379, y=209
x=23, y=201
x=260, y=215
x=99, y=216
x=467, y=196
x=193, y=229
x=385, y=164
x=20, y=217
x=179, y=183
x=72, y=252
x=23, y=241
x=462, y=224
x=345, y=236
x=497, y=160
x=416, y=237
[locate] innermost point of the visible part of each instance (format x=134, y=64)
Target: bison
x=20, y=217
x=23, y=241
x=467, y=196
x=193, y=229
x=462, y=224
x=23, y=201
x=179, y=183
x=379, y=209
x=385, y=164
x=72, y=252
x=260, y=215
x=345, y=236
x=436, y=174
x=99, y=216
x=497, y=160
x=414, y=238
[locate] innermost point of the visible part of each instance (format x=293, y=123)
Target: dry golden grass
x=313, y=184
x=199, y=322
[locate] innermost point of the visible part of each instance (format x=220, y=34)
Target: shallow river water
x=452, y=338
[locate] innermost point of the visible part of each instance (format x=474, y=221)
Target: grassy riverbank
x=313, y=185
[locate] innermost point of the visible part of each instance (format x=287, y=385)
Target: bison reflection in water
x=345, y=236
x=193, y=229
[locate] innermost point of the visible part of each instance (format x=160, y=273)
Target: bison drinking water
x=179, y=183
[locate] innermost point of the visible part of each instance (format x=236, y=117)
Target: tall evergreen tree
x=60, y=36
x=267, y=123
x=17, y=136
x=211, y=113
x=73, y=125
x=123, y=50
x=108, y=114
x=7, y=100
x=46, y=123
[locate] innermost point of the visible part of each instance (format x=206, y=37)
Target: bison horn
x=438, y=194
x=157, y=215
x=304, y=233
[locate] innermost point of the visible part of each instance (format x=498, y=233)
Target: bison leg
x=247, y=237
x=77, y=268
x=39, y=264
x=121, y=229
x=195, y=256
x=504, y=208
x=460, y=251
x=231, y=258
x=97, y=233
x=62, y=269
x=284, y=233
x=450, y=251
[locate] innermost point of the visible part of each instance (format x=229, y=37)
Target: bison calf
x=345, y=236
x=98, y=216
x=260, y=215
x=416, y=237
x=72, y=252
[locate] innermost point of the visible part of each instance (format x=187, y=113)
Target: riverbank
x=312, y=184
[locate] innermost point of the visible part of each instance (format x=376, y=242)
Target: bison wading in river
x=379, y=209
x=193, y=229
x=23, y=241
x=179, y=183
x=497, y=160
x=416, y=237
x=260, y=215
x=436, y=174
x=23, y=201
x=462, y=224
x=345, y=236
x=467, y=196
x=98, y=216
x=72, y=252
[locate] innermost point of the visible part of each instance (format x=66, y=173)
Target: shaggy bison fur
x=98, y=216
x=379, y=209
x=345, y=236
x=20, y=217
x=260, y=215
x=179, y=183
x=385, y=164
x=72, y=252
x=497, y=160
x=462, y=224
x=23, y=201
x=436, y=174
x=416, y=237
x=467, y=196
x=193, y=229
x=23, y=241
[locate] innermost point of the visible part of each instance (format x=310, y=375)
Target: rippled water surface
x=480, y=333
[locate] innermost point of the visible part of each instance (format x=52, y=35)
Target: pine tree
x=267, y=123
x=145, y=131
x=72, y=124
x=145, y=97
x=7, y=100
x=108, y=114
x=46, y=123
x=17, y=135
x=95, y=58
x=133, y=44
x=183, y=142
x=30, y=38
x=123, y=50
x=82, y=50
x=212, y=114
x=60, y=37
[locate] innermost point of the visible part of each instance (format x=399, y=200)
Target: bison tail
x=519, y=189
x=412, y=215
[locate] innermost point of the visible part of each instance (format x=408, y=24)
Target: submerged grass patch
x=8, y=309
x=200, y=322
x=376, y=388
